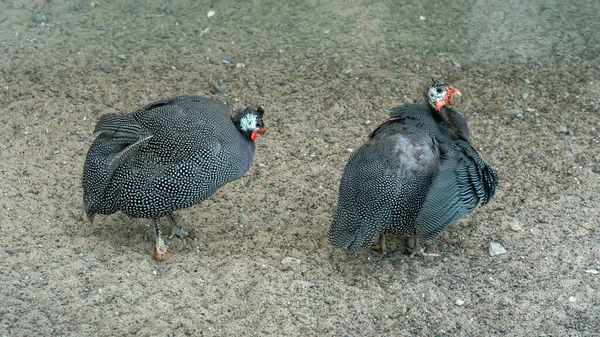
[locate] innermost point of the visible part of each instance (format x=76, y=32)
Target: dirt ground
x=328, y=72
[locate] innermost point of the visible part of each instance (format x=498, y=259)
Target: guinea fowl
x=416, y=174
x=168, y=155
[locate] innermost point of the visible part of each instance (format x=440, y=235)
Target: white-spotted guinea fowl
x=415, y=175
x=166, y=156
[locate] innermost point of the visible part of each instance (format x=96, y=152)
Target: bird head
x=440, y=94
x=250, y=122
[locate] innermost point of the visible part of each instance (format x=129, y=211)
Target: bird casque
x=415, y=175
x=166, y=156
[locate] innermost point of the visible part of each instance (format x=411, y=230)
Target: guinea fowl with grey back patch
x=166, y=156
x=416, y=174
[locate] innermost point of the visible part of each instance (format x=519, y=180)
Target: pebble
x=497, y=249
x=303, y=316
x=42, y=18
x=460, y=302
x=303, y=284
x=515, y=226
x=518, y=112
x=592, y=271
x=210, y=13
x=525, y=96
x=290, y=261
x=220, y=86
x=586, y=225
x=572, y=299
x=122, y=57
x=527, y=81
x=562, y=129
x=243, y=219
x=17, y=249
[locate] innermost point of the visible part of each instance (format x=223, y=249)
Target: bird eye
x=439, y=90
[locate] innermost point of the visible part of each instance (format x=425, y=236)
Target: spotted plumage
x=416, y=174
x=167, y=156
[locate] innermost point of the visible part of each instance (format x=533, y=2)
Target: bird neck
x=455, y=123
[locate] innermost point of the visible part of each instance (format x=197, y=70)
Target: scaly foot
x=161, y=248
x=380, y=245
x=414, y=246
x=176, y=230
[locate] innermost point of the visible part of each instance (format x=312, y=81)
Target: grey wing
x=383, y=188
x=463, y=181
x=358, y=219
x=125, y=135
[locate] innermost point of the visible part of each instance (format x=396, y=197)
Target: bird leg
x=414, y=246
x=176, y=230
x=161, y=247
x=380, y=245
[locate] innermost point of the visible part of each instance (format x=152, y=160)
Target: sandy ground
x=328, y=72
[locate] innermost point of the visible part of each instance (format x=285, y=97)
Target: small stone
x=220, y=86
x=290, y=261
x=572, y=299
x=586, y=225
x=497, y=249
x=592, y=271
x=347, y=71
x=42, y=18
x=422, y=18
x=515, y=226
x=253, y=87
x=303, y=284
x=301, y=315
x=518, y=113
x=525, y=95
x=16, y=250
x=460, y=302
x=122, y=57
x=243, y=219
x=562, y=129
x=210, y=13
x=527, y=81
x=240, y=65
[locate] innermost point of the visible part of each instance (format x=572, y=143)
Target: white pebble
x=572, y=299
x=288, y=260
x=497, y=249
x=460, y=302
x=515, y=226
x=210, y=13
x=592, y=271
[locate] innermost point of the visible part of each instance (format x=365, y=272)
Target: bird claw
x=380, y=245
x=178, y=232
x=421, y=252
x=161, y=249
x=414, y=246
